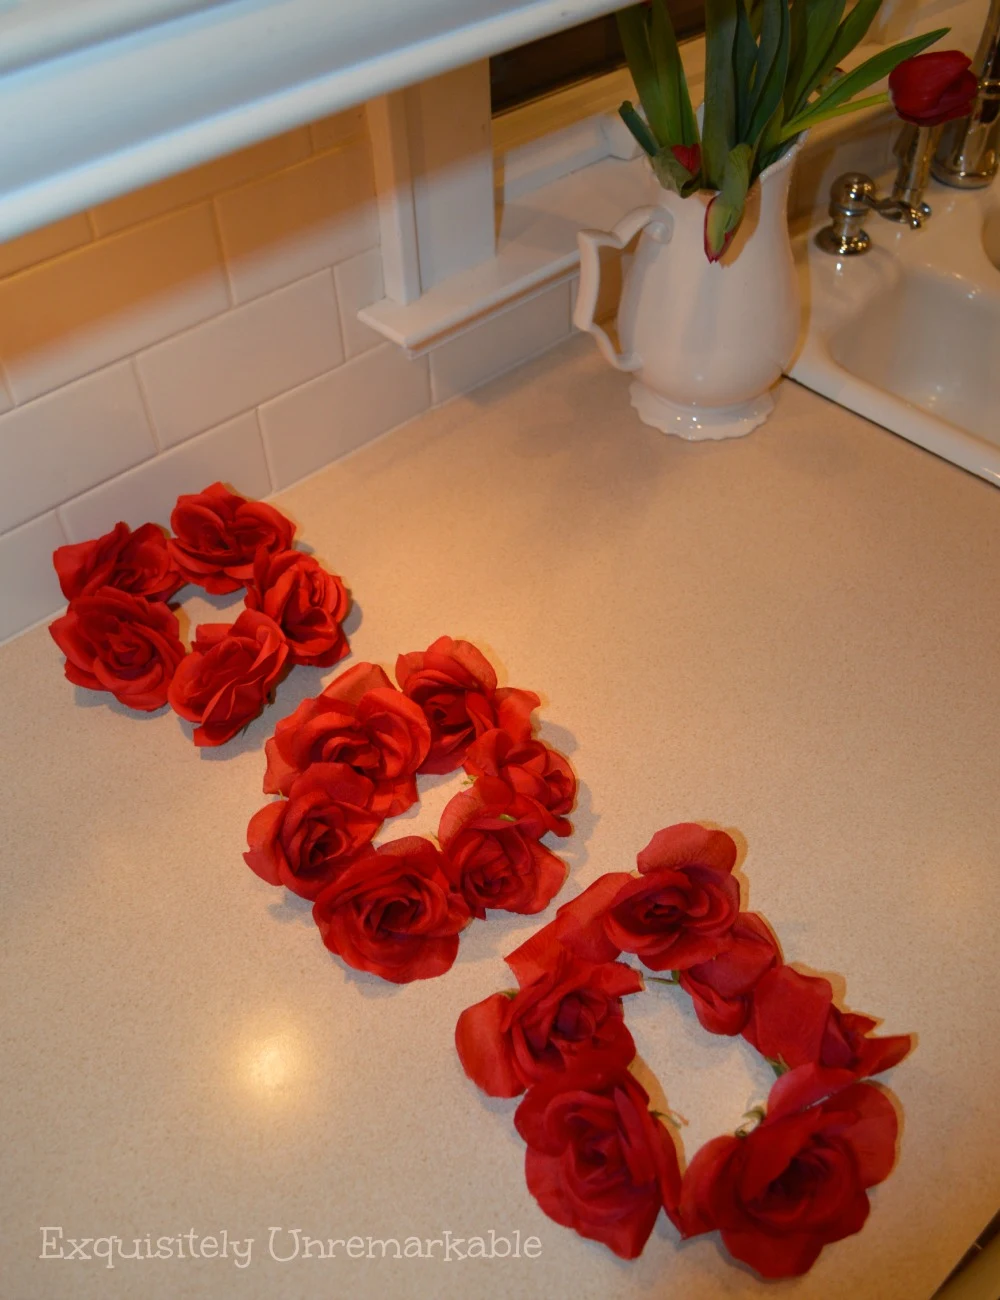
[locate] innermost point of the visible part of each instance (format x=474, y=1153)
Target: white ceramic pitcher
x=705, y=341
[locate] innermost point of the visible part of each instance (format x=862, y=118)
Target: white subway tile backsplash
x=49, y=241
x=128, y=376
x=72, y=315
x=359, y=284
x=202, y=182
x=29, y=589
x=62, y=444
x=498, y=344
x=334, y=414
x=236, y=360
x=232, y=452
x=329, y=132
x=288, y=225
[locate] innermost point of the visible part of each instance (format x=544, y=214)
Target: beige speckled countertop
x=794, y=635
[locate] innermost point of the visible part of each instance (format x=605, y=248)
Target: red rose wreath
x=119, y=634
x=350, y=758
x=598, y=1159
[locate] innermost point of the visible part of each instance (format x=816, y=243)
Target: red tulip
x=689, y=156
x=933, y=88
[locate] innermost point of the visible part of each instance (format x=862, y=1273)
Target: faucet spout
x=969, y=151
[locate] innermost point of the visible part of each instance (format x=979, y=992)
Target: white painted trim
x=451, y=162
x=107, y=116
x=44, y=29
x=536, y=249
x=394, y=186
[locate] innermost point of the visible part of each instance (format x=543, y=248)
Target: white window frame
x=495, y=223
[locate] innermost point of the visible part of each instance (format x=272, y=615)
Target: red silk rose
x=229, y=675
x=579, y=925
x=778, y=1193
x=799, y=1180
x=114, y=641
x=217, y=535
x=306, y=602
x=679, y=912
x=529, y=768
x=456, y=688
x=598, y=1161
x=933, y=88
x=362, y=720
x=721, y=988
x=305, y=841
x=138, y=562
x=489, y=838
x=561, y=1014
x=794, y=1022
x=393, y=913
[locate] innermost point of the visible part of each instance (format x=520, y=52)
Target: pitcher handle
x=591, y=242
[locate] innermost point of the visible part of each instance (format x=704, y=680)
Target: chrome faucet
x=967, y=155
x=852, y=197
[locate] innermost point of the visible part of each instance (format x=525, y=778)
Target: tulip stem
x=805, y=119
x=673, y=978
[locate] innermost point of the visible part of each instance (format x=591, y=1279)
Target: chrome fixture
x=967, y=156
x=852, y=197
x=914, y=148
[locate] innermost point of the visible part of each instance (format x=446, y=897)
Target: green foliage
x=670, y=71
x=843, y=88
x=771, y=71
x=719, y=131
x=672, y=174
x=726, y=209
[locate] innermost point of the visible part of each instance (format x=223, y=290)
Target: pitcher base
x=698, y=422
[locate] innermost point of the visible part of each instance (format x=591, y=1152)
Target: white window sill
x=536, y=249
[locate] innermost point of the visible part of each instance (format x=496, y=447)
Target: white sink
x=908, y=334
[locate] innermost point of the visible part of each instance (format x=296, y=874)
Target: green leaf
x=775, y=45
x=798, y=44
x=846, y=87
x=769, y=152
x=719, y=134
x=669, y=70
x=822, y=21
x=850, y=33
x=744, y=67
x=635, y=42
x=639, y=129
x=841, y=110
x=673, y=175
x=770, y=34
x=725, y=211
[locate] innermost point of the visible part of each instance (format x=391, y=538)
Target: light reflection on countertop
x=269, y=1068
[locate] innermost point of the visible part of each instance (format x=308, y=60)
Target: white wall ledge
x=536, y=249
